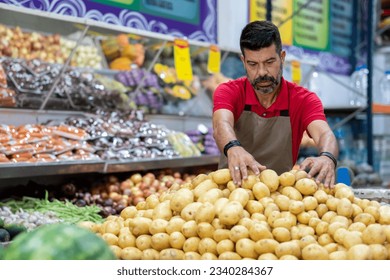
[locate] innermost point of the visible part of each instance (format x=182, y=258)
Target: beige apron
x=268, y=140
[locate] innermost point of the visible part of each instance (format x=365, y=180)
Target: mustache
x=265, y=79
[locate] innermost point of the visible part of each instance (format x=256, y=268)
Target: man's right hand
x=239, y=160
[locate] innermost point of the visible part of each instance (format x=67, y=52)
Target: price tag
x=181, y=52
x=214, y=60
x=296, y=71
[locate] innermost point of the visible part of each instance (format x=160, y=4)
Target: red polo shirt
x=304, y=106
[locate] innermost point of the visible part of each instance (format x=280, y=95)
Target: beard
x=270, y=88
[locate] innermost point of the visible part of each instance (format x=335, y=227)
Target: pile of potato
x=268, y=217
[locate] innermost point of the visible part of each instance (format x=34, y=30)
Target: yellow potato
x=306, y=240
x=352, y=238
x=338, y=255
x=359, y=252
x=211, y=196
x=374, y=211
x=287, y=179
x=321, y=196
x=259, y=231
x=288, y=248
x=140, y=225
x=344, y=192
x=270, y=178
x=378, y=252
x=219, y=204
x=171, y=254
x=325, y=239
x=266, y=245
x=292, y=193
x=131, y=253
x=221, y=176
x=306, y=186
x=384, y=215
x=181, y=199
x=245, y=247
x=188, y=212
x=332, y=203
x=364, y=218
x=162, y=211
x=176, y=240
x=128, y=212
x=267, y=256
x=310, y=203
x=144, y=242
x=229, y=256
x=158, y=225
x=152, y=201
x=231, y=213
x=331, y=247
x=208, y=256
x=328, y=216
x=321, y=209
x=238, y=232
x=175, y=224
x=198, y=179
x=240, y=195
x=205, y=230
x=110, y=238
x=189, y=229
x=221, y=234
x=260, y=190
x=281, y=234
x=254, y=206
x=203, y=187
x=296, y=207
x=207, y=245
x=344, y=207
x=282, y=222
x=192, y=256
x=205, y=213
x=374, y=234
x=314, y=252
x=249, y=182
x=191, y=244
x=225, y=245
x=160, y=241
x=358, y=226
x=283, y=202
x=321, y=228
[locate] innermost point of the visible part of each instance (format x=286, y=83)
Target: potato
x=176, y=240
x=288, y=248
x=229, y=256
x=246, y=222
x=152, y=201
x=211, y=196
x=306, y=186
x=221, y=176
x=249, y=182
x=158, y=225
x=300, y=174
x=334, y=226
x=254, y=206
x=219, y=204
x=304, y=230
x=191, y=244
x=267, y=256
x=287, y=179
x=288, y=257
x=306, y=240
x=321, y=196
x=352, y=238
x=117, y=250
x=208, y=256
x=304, y=218
x=358, y=226
x=332, y=203
x=384, y=215
x=207, y=245
x=338, y=255
x=374, y=211
x=270, y=178
x=331, y=247
x=171, y=254
x=231, y=186
x=386, y=229
x=321, y=209
x=143, y=242
x=238, y=232
x=271, y=207
x=128, y=212
x=240, y=195
x=260, y=190
x=289, y=216
x=364, y=218
x=378, y=252
x=314, y=252
x=189, y=229
x=192, y=256
x=162, y=211
x=205, y=230
x=231, y=213
x=321, y=228
x=266, y=245
x=343, y=191
x=313, y=222
x=339, y=234
x=259, y=231
x=140, y=226
x=110, y=238
x=281, y=234
x=282, y=222
x=296, y=207
x=292, y=193
x=359, y=252
x=325, y=239
x=131, y=253
x=216, y=223
x=328, y=216
x=374, y=234
x=310, y=203
x=245, y=247
x=198, y=179
x=205, y=213
x=203, y=187
x=188, y=212
x=344, y=207
x=225, y=245
x=160, y=241
x=175, y=224
x=181, y=199
x=282, y=201
x=221, y=234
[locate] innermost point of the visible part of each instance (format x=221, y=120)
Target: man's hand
x=238, y=161
x=321, y=166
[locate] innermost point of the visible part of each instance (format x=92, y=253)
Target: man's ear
x=283, y=55
x=242, y=57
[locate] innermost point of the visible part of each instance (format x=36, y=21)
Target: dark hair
x=260, y=34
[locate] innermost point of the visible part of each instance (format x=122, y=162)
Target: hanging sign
x=296, y=71
x=182, y=58
x=214, y=60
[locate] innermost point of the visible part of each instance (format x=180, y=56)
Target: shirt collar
x=281, y=102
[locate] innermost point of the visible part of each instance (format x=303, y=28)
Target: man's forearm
x=223, y=133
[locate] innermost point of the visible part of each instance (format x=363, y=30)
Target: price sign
x=296, y=71
x=214, y=60
x=181, y=52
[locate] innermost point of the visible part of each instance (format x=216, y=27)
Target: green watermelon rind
x=58, y=242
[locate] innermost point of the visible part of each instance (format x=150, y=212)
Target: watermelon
x=1, y=252
x=58, y=242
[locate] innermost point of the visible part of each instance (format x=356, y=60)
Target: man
x=259, y=120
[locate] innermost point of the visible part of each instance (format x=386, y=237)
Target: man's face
x=264, y=68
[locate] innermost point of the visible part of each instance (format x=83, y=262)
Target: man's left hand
x=322, y=167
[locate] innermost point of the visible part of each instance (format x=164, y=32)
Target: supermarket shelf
x=22, y=170
x=380, y=108
x=124, y=166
